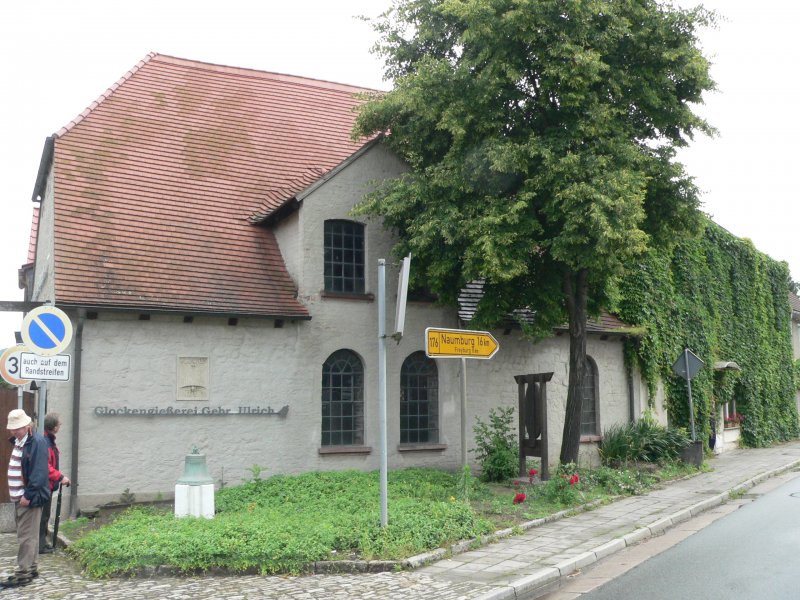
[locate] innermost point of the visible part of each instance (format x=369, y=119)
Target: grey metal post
x=463, y=412
x=42, y=406
x=19, y=396
x=382, y=388
x=689, y=383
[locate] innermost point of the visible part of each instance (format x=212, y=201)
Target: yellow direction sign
x=459, y=343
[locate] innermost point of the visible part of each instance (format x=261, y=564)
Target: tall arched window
x=343, y=400
x=589, y=410
x=344, y=257
x=419, y=400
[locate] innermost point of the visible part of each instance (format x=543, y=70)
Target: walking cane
x=58, y=516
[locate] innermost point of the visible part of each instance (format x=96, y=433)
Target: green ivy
x=797, y=374
x=726, y=301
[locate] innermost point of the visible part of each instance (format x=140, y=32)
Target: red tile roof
x=34, y=233
x=159, y=185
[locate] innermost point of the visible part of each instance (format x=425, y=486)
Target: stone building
x=194, y=222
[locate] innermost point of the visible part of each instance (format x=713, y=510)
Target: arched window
x=590, y=422
x=343, y=400
x=419, y=400
x=344, y=257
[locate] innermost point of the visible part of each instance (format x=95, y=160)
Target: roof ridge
x=105, y=95
x=300, y=79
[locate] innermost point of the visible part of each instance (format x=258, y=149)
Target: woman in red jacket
x=52, y=423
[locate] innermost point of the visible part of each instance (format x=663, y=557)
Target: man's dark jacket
x=35, y=475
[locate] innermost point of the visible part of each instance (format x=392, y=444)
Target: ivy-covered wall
x=723, y=299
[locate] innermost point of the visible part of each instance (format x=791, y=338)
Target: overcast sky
x=58, y=56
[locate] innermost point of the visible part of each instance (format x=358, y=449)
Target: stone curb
x=549, y=578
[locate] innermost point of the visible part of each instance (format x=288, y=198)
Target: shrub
x=564, y=488
x=642, y=441
x=496, y=448
x=620, y=482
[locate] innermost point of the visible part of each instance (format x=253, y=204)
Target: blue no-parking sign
x=46, y=330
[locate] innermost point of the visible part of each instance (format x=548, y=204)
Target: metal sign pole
x=463, y=412
x=382, y=388
x=42, y=405
x=689, y=383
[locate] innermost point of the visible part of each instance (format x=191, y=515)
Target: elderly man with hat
x=29, y=488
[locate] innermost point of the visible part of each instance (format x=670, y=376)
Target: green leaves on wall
x=726, y=301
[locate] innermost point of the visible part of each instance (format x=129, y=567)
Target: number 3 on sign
x=10, y=367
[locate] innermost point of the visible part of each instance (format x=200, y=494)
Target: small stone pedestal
x=194, y=491
x=693, y=454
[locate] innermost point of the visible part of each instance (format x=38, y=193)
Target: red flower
x=516, y=483
x=519, y=498
x=574, y=479
x=532, y=472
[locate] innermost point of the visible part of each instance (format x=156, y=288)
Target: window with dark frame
x=344, y=257
x=343, y=400
x=589, y=399
x=419, y=400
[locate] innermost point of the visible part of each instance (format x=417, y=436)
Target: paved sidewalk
x=523, y=566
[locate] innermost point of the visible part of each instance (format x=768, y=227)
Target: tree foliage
x=540, y=137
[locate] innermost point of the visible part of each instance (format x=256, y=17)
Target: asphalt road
x=752, y=553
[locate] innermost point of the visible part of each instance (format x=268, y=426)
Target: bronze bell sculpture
x=194, y=490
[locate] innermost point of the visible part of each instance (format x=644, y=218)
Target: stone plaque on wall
x=192, y=378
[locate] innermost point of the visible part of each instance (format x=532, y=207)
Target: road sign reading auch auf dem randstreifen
x=459, y=343
x=48, y=368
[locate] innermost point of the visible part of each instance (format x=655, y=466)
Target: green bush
x=642, y=441
x=496, y=445
x=564, y=488
x=620, y=482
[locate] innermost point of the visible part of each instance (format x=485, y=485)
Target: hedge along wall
x=724, y=300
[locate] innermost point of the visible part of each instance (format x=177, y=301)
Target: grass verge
x=285, y=523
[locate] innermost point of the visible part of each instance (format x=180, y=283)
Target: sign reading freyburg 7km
x=459, y=343
x=46, y=330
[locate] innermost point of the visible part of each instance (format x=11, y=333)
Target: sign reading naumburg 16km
x=459, y=343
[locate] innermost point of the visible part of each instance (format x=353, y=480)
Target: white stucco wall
x=132, y=364
x=43, y=284
x=129, y=363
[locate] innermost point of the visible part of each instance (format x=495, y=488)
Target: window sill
x=345, y=450
x=421, y=447
x=347, y=296
x=590, y=439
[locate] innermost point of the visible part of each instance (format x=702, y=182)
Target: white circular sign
x=47, y=330
x=10, y=366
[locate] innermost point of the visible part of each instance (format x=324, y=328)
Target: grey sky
x=58, y=56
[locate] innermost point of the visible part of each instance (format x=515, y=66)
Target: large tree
x=540, y=137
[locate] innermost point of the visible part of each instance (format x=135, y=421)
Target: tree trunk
x=575, y=288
